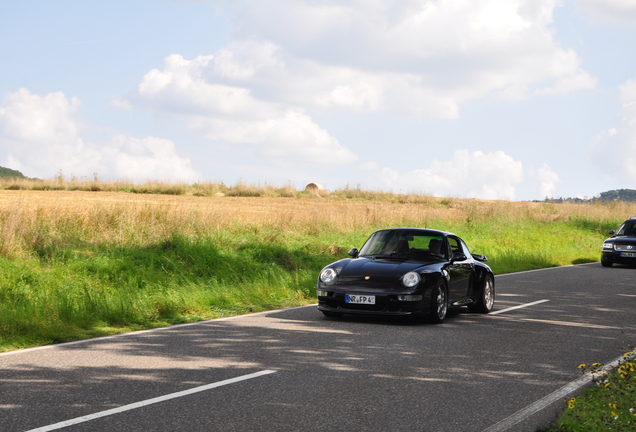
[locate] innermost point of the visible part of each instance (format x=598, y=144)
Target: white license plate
x=628, y=254
x=359, y=299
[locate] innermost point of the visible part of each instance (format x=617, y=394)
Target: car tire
x=486, y=300
x=439, y=303
x=606, y=262
x=331, y=314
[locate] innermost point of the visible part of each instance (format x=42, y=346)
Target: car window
x=465, y=248
x=404, y=243
x=627, y=228
x=458, y=245
x=374, y=244
x=428, y=244
x=454, y=244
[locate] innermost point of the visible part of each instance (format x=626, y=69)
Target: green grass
x=68, y=288
x=72, y=292
x=608, y=405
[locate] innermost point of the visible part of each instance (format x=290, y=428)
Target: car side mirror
x=353, y=253
x=612, y=232
x=458, y=256
x=481, y=258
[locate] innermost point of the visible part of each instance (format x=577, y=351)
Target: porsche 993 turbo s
x=620, y=248
x=407, y=271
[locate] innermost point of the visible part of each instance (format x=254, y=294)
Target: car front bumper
x=618, y=257
x=388, y=305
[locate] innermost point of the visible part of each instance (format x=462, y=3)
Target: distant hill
x=617, y=195
x=7, y=172
x=626, y=195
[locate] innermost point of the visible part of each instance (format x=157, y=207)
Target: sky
x=490, y=99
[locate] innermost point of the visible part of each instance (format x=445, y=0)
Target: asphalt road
x=319, y=374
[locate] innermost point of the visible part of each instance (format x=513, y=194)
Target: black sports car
x=620, y=248
x=407, y=271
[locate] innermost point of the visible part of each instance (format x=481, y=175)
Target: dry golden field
x=344, y=213
x=27, y=215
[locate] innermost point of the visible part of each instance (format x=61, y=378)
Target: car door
x=461, y=268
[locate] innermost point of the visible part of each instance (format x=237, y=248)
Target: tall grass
x=76, y=264
x=63, y=183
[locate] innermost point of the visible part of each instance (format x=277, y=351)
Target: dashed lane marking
x=518, y=307
x=147, y=402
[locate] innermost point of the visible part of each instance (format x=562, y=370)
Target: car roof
x=423, y=230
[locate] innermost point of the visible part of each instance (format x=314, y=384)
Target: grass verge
x=608, y=405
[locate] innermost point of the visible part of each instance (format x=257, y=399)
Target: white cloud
x=547, y=180
x=610, y=10
x=40, y=133
x=292, y=137
x=242, y=60
x=40, y=136
x=121, y=103
x=30, y=117
x=406, y=58
x=231, y=114
x=147, y=158
x=615, y=149
x=471, y=175
x=568, y=84
x=181, y=88
x=445, y=50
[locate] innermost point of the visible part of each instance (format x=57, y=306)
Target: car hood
x=630, y=238
x=379, y=267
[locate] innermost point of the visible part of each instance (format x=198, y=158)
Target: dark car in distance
x=620, y=248
x=407, y=271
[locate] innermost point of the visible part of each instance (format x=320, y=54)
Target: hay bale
x=314, y=187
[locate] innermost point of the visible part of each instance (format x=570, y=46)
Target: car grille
x=373, y=282
x=625, y=247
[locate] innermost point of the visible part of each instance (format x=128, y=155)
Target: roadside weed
x=609, y=404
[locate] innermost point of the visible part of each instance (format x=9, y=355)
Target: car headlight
x=411, y=279
x=328, y=276
x=608, y=245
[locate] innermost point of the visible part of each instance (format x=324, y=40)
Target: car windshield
x=401, y=243
x=627, y=229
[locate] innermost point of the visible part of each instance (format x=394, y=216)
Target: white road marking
x=570, y=323
x=518, y=307
x=543, y=269
x=147, y=402
x=544, y=402
x=158, y=329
